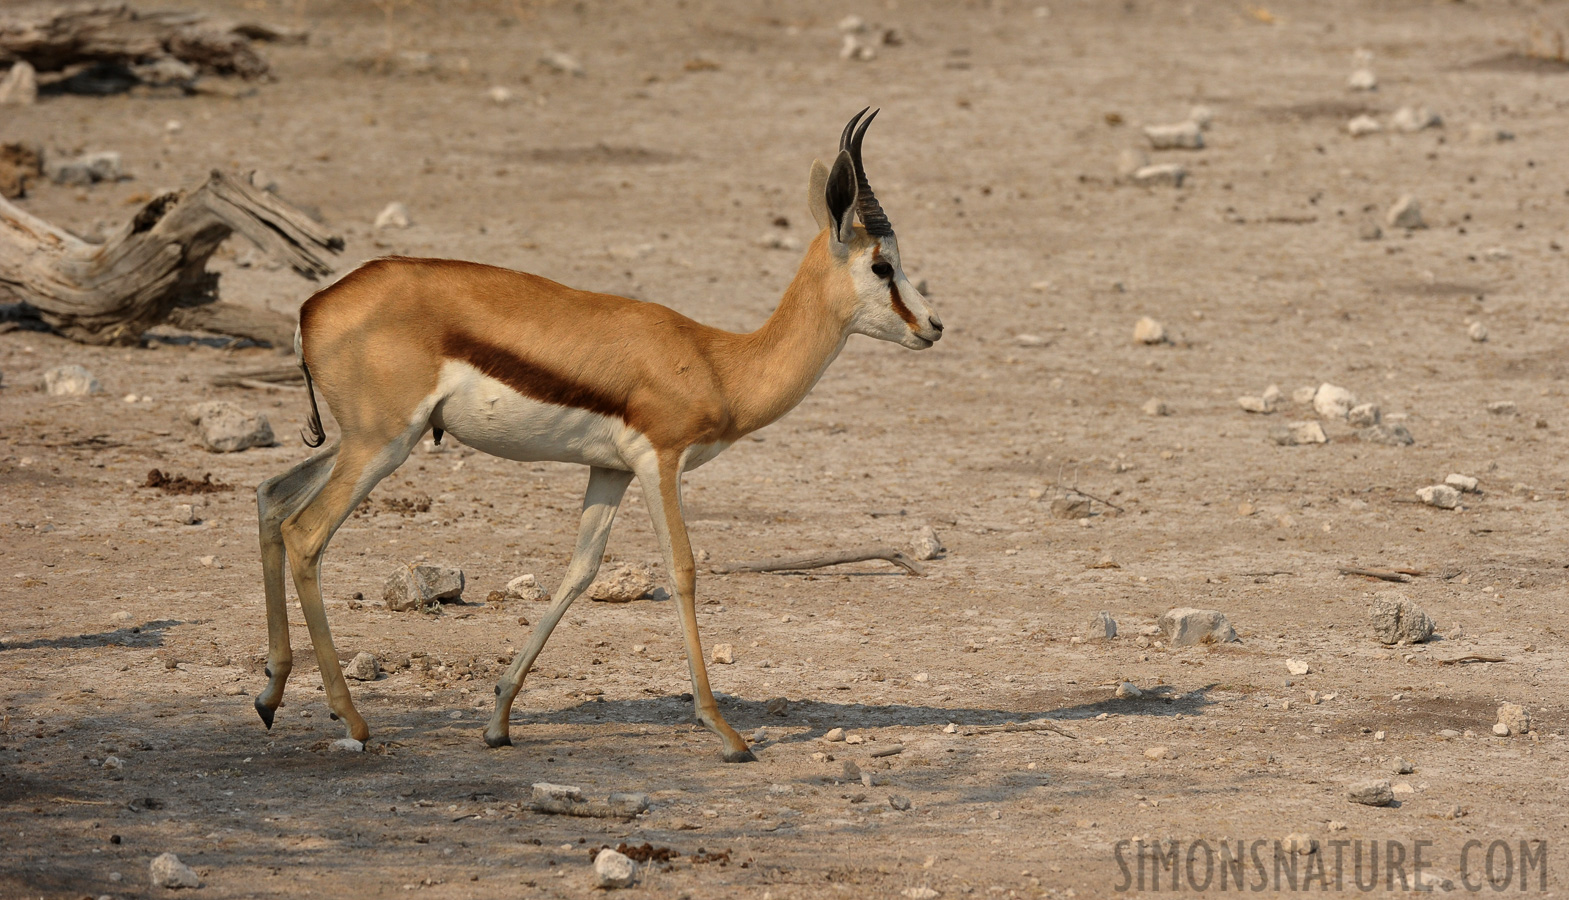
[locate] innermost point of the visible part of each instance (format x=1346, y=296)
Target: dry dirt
x=656, y=174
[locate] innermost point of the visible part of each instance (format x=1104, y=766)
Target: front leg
x=661, y=481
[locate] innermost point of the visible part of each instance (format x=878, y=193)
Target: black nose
x=937, y=324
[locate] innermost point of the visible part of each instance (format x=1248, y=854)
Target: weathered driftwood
x=115, y=34
x=790, y=564
x=272, y=378
x=1032, y=725
x=154, y=269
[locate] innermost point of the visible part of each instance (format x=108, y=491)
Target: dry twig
x=1032, y=725
x=1380, y=574
x=897, y=557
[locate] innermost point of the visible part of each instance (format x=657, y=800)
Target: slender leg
x=600, y=502
x=276, y=500
x=357, y=469
x=662, y=491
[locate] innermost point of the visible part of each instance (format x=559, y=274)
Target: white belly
x=490, y=416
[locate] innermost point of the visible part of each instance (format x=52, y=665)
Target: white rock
x=1477, y=332
x=1101, y=628
x=393, y=215
x=1130, y=160
x=919, y=892
x=1303, y=396
x=1255, y=405
x=1463, y=483
x=1365, y=415
x=1155, y=406
x=1127, y=690
x=1362, y=80
x=414, y=585
x=1362, y=125
x=1333, y=402
x=166, y=871
x=1405, y=213
x=227, y=428
x=1414, y=118
x=1300, y=844
x=86, y=169
x=1031, y=340
x=1157, y=753
x=19, y=87
x=624, y=583
x=1271, y=395
x=834, y=735
x=927, y=544
x=346, y=745
x=545, y=792
x=1397, y=620
x=854, y=48
x=71, y=381
x=1298, y=667
x=565, y=63
x=1148, y=331
x=1440, y=495
x=1371, y=793
x=1503, y=408
x=1395, y=435
x=526, y=587
x=722, y=654
x=1182, y=136
x=1296, y=434
x=185, y=514
x=1500, y=729
x=614, y=870
x=1514, y=716
x=363, y=667
x=1185, y=626
x=499, y=95
x=1160, y=174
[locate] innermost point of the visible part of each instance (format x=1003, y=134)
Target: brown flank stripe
x=527, y=378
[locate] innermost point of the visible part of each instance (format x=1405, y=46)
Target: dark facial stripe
x=899, y=307
x=529, y=379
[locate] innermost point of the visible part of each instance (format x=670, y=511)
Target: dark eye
x=882, y=270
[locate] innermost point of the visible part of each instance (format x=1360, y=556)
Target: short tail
x=313, y=435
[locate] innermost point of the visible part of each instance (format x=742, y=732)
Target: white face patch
x=878, y=299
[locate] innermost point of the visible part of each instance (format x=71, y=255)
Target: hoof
x=502, y=741
x=739, y=756
x=265, y=713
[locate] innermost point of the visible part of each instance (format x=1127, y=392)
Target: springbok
x=523, y=368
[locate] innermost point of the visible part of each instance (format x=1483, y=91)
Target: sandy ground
x=658, y=174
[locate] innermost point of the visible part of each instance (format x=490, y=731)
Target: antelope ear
x=839, y=199
x=817, y=194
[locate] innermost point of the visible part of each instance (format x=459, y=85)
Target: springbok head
x=883, y=303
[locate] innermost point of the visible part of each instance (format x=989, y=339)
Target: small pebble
x=1148, y=331
x=1477, y=332
x=834, y=735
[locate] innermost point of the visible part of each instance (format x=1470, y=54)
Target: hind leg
x=600, y=502
x=276, y=500
x=360, y=465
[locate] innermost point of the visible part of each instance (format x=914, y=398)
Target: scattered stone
x=1255, y=405
x=778, y=706
x=1160, y=175
x=1503, y=408
x=1463, y=483
x=393, y=215
x=346, y=745
x=167, y=871
x=19, y=87
x=851, y=771
x=921, y=892
x=499, y=95
x=525, y=587
x=1336, y=825
x=415, y=586
x=71, y=381
x=1071, y=506
x=854, y=48
x=1406, y=213
x=834, y=735
x=545, y=792
x=1370, y=232
x=1300, y=844
x=1400, y=766
x=363, y=667
x=1155, y=406
x=722, y=654
x=1130, y=161
x=1440, y=495
x=1395, y=435
x=1362, y=125
x=185, y=514
x=1030, y=340
x=927, y=544
x=1362, y=80
x=1333, y=402
x=1397, y=620
x=563, y=63
x=1298, y=667
x=899, y=802
x=89, y=168
x=226, y=427
x=1477, y=133
x=1500, y=729
x=1148, y=331
x=1365, y=415
x=1127, y=690
x=1303, y=396
x=1477, y=332
x=1101, y=628
x=1184, y=136
x=1157, y=753
x=1202, y=116
x=1296, y=434
x=1414, y=118
x=623, y=583
x=614, y=870
x=1514, y=717
x=1371, y=793
x=1185, y=627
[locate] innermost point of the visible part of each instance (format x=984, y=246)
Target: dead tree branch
x=790, y=564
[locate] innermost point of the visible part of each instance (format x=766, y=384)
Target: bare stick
x=896, y=557
x=1033, y=725
x=1471, y=657
x=1380, y=574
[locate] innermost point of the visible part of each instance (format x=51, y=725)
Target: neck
x=766, y=373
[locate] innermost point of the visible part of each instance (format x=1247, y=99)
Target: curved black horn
x=866, y=204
